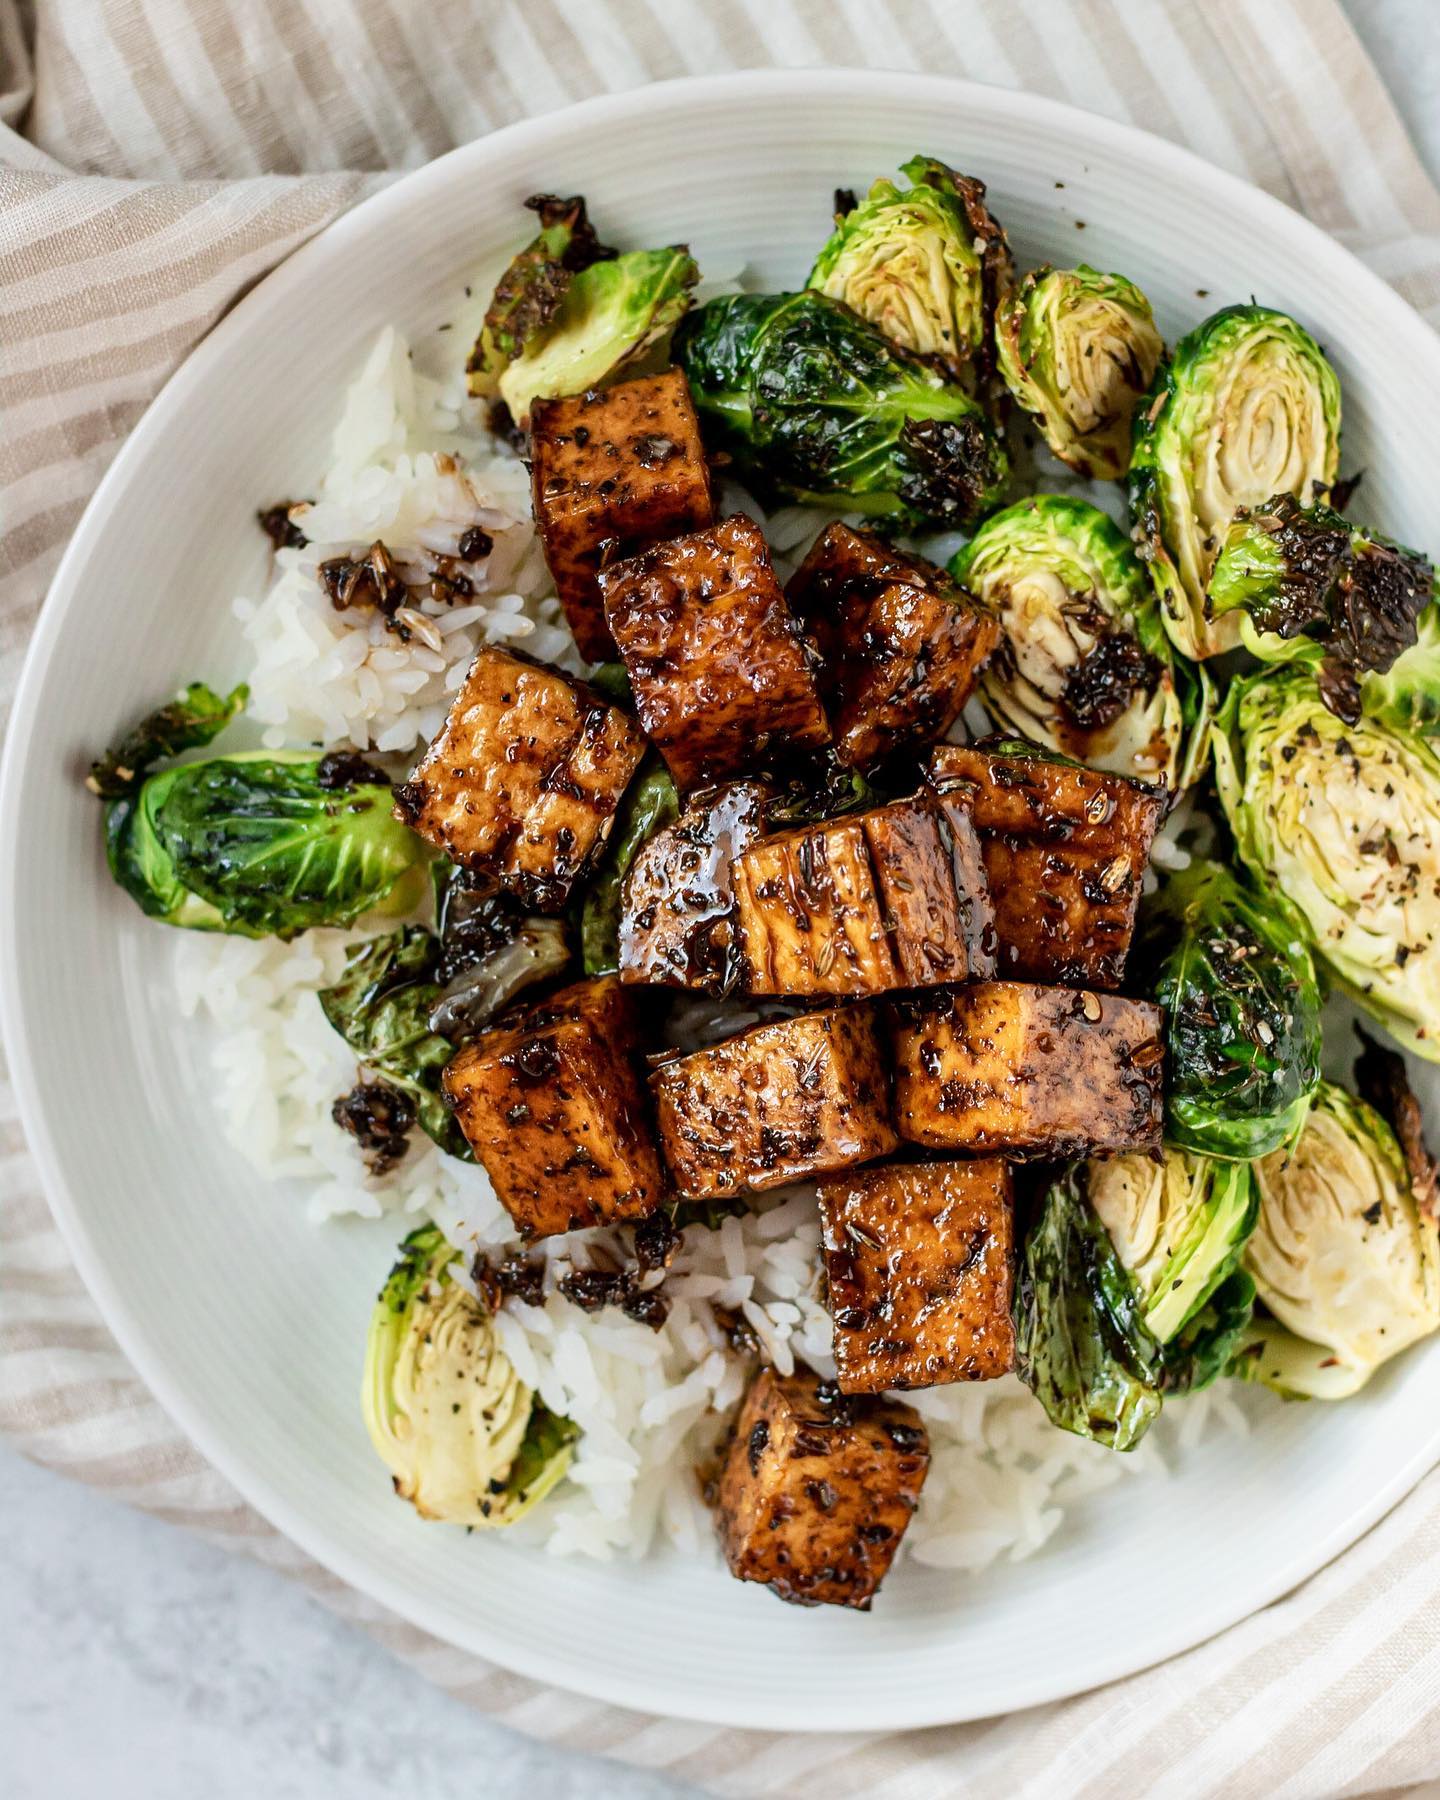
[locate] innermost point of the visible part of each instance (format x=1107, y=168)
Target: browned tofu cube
x=721, y=671
x=1065, y=851
x=1028, y=1071
x=523, y=779
x=780, y=1102
x=817, y=1488
x=677, y=920
x=611, y=471
x=920, y=1259
x=902, y=642
x=554, y=1108
x=862, y=905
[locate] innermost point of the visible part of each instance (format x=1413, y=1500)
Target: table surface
x=139, y=1663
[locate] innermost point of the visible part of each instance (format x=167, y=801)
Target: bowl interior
x=249, y=1323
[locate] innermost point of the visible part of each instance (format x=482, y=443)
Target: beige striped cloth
x=156, y=158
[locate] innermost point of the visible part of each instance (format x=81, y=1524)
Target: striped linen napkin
x=156, y=158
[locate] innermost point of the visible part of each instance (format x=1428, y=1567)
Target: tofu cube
x=1065, y=852
x=861, y=905
x=817, y=1488
x=920, y=1260
x=1028, y=1071
x=554, y=1108
x=677, y=920
x=523, y=779
x=903, y=642
x=722, y=674
x=781, y=1102
x=611, y=471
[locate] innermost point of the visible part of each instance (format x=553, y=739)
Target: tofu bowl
x=234, y=1196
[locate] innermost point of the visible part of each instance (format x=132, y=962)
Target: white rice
x=411, y=464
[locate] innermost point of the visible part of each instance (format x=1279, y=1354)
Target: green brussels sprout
x=650, y=802
x=1344, y=820
x=1083, y=666
x=465, y=1440
x=814, y=402
x=1233, y=971
x=568, y=311
x=1310, y=587
x=1345, y=1254
x=263, y=842
x=1078, y=351
x=1247, y=407
x=926, y=264
x=195, y=718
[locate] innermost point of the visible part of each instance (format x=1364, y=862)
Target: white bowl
x=247, y=1323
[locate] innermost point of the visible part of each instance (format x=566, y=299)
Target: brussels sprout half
x=1084, y=666
x=1344, y=820
x=1233, y=971
x=814, y=402
x=465, y=1440
x=1247, y=407
x=650, y=802
x=1343, y=1255
x=926, y=264
x=1078, y=351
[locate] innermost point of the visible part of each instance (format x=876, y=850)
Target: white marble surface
x=137, y=1663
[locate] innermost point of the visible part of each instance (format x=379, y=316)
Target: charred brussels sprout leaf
x=260, y=843
x=381, y=1006
x=1078, y=350
x=488, y=953
x=1247, y=408
x=825, y=792
x=465, y=1440
x=1234, y=974
x=192, y=720
x=650, y=802
x=1083, y=665
x=926, y=264
x=1344, y=820
x=1309, y=586
x=814, y=402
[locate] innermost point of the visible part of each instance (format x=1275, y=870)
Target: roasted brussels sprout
x=927, y=264
x=1083, y=666
x=650, y=802
x=1078, y=350
x=263, y=842
x=815, y=402
x=1242, y=1008
x=569, y=311
x=488, y=952
x=1344, y=820
x=1309, y=586
x=1345, y=1255
x=463, y=1437
x=190, y=721
x=1247, y=407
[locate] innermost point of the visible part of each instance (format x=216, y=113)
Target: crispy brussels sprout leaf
x=381, y=1006
x=1309, y=586
x=1344, y=820
x=926, y=264
x=650, y=802
x=1078, y=351
x=465, y=1440
x=488, y=952
x=814, y=402
x=1234, y=974
x=826, y=791
x=1406, y=696
x=1247, y=407
x=193, y=719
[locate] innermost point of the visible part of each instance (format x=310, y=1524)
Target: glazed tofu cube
x=1028, y=1071
x=523, y=779
x=722, y=674
x=554, y=1108
x=920, y=1260
x=861, y=905
x=902, y=641
x=611, y=471
x=817, y=1488
x=1065, y=851
x=677, y=921
x=780, y=1102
